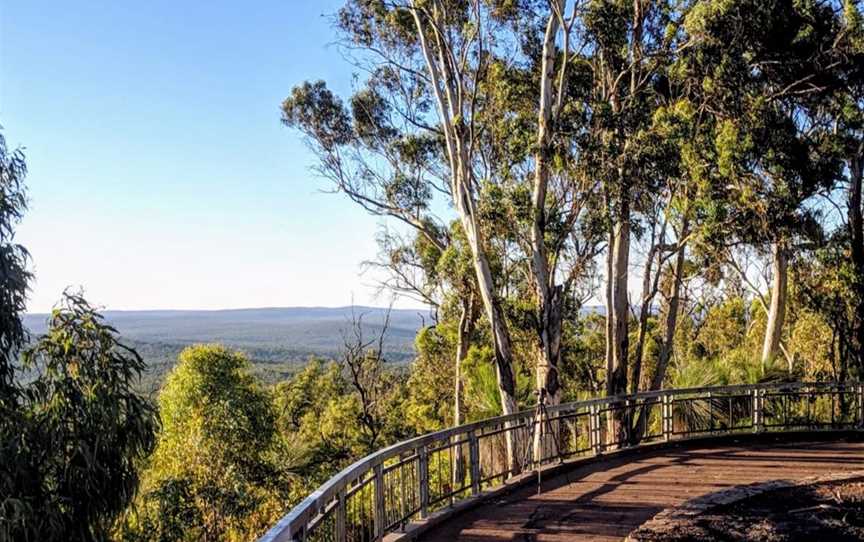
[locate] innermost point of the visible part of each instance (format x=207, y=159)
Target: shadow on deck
x=605, y=499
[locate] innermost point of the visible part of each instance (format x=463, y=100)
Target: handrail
x=386, y=490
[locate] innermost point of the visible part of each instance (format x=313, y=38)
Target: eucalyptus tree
x=834, y=285
x=624, y=48
x=211, y=474
x=72, y=427
x=444, y=280
x=14, y=282
x=564, y=233
x=412, y=131
x=766, y=68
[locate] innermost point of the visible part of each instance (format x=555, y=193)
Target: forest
x=692, y=167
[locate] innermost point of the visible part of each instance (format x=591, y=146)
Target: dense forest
x=277, y=341
x=694, y=167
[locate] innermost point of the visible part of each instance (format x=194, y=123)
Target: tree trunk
x=777, y=310
x=610, y=254
x=616, y=378
x=466, y=328
x=449, y=93
x=500, y=331
x=667, y=347
x=856, y=239
x=463, y=342
x=620, y=310
x=650, y=281
x=548, y=295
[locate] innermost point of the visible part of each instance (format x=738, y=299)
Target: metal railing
x=385, y=491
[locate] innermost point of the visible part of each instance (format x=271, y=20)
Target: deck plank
x=604, y=501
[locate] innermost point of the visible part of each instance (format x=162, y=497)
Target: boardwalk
x=604, y=501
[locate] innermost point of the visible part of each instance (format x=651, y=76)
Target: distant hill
x=277, y=340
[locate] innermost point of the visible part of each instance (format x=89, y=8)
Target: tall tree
x=766, y=69
x=417, y=117
x=212, y=473
x=629, y=45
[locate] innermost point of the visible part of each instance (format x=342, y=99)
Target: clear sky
x=160, y=175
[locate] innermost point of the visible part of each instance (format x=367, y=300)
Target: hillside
x=277, y=340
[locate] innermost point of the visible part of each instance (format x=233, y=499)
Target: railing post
x=594, y=434
x=380, y=518
x=860, y=405
x=474, y=462
x=757, y=410
x=341, y=531
x=627, y=419
x=666, y=416
x=423, y=467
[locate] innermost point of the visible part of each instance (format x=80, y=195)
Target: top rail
x=384, y=491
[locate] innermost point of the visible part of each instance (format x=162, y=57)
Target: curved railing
x=385, y=491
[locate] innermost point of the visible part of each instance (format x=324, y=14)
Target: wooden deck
x=605, y=500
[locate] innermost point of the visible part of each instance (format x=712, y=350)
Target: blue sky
x=160, y=175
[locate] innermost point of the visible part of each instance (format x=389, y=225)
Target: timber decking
x=605, y=500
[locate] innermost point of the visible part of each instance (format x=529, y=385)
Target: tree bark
x=856, y=239
x=463, y=342
x=616, y=377
x=666, y=349
x=610, y=254
x=548, y=295
x=650, y=285
x=777, y=310
x=617, y=381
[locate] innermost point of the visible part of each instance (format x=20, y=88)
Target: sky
x=160, y=176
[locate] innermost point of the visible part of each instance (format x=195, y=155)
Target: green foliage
x=313, y=107
x=482, y=397
x=431, y=384
x=72, y=445
x=317, y=418
x=212, y=475
x=14, y=276
x=719, y=122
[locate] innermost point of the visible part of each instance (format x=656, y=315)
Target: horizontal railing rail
x=385, y=491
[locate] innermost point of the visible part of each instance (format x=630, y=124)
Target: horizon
x=239, y=309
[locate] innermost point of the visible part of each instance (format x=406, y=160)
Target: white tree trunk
x=617, y=380
x=446, y=87
x=777, y=310
x=549, y=297
x=616, y=377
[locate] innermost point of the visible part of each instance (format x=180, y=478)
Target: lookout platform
x=478, y=482
x=605, y=500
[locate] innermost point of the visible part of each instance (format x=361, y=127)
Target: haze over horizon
x=240, y=309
